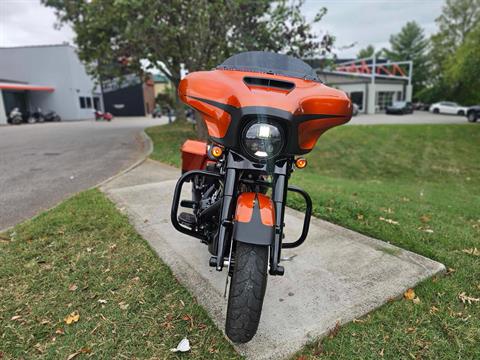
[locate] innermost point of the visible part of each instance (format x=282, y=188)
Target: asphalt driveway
x=42, y=164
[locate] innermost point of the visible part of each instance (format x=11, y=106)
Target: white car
x=448, y=107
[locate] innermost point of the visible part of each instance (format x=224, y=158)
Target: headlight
x=262, y=140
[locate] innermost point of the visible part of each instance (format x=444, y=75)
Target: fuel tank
x=231, y=96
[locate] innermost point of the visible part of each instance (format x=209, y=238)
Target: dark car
x=400, y=107
x=473, y=113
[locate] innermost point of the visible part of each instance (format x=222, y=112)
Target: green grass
x=426, y=178
x=84, y=256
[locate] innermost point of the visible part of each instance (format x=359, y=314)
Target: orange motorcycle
x=263, y=111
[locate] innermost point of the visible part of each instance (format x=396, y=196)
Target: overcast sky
x=27, y=22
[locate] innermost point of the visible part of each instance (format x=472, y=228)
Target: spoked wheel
x=472, y=117
x=247, y=289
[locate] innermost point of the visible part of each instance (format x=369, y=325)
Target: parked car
x=473, y=113
x=421, y=106
x=400, y=107
x=448, y=107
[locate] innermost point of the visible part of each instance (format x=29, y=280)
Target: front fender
x=254, y=219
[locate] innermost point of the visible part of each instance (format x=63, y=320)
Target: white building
x=371, y=84
x=50, y=77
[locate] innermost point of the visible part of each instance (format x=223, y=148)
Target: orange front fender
x=254, y=219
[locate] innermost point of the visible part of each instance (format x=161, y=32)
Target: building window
x=384, y=99
x=89, y=102
x=96, y=103
x=83, y=103
x=357, y=98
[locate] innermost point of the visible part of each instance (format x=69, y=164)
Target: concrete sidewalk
x=337, y=275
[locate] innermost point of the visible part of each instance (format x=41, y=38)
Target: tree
x=198, y=34
x=463, y=69
x=458, y=19
x=410, y=44
x=367, y=52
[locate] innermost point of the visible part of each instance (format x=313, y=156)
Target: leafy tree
x=458, y=19
x=463, y=69
x=368, y=52
x=196, y=33
x=410, y=44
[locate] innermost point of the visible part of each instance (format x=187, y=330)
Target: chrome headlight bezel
x=274, y=130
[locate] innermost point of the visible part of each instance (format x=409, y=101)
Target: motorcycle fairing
x=254, y=219
x=227, y=102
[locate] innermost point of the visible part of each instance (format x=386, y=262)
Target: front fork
x=279, y=195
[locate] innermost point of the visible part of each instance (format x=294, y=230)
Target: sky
x=359, y=22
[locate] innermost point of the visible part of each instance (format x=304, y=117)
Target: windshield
x=399, y=103
x=269, y=63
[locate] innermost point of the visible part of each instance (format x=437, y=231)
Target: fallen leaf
x=472, y=251
x=381, y=352
x=89, y=249
x=102, y=301
x=123, y=306
x=72, y=317
x=16, y=317
x=113, y=247
x=450, y=271
x=467, y=299
x=425, y=218
x=410, y=330
x=72, y=287
x=409, y=294
x=359, y=217
x=75, y=354
x=334, y=331
x=390, y=221
x=59, y=331
x=358, y=321
x=433, y=310
x=416, y=300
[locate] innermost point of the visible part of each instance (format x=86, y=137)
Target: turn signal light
x=216, y=151
x=301, y=163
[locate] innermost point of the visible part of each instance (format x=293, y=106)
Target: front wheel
x=472, y=117
x=247, y=289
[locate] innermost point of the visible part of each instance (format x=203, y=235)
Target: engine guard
x=254, y=219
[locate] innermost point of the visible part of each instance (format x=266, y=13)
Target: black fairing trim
x=242, y=116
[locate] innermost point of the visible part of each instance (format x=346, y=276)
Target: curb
x=148, y=144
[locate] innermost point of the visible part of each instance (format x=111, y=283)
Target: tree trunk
x=179, y=108
x=201, y=127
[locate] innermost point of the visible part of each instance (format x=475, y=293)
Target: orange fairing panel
x=228, y=88
x=245, y=206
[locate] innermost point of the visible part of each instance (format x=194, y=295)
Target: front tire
x=472, y=117
x=247, y=290
x=436, y=111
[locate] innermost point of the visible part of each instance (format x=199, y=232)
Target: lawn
x=83, y=263
x=418, y=187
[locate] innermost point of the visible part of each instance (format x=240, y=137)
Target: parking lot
x=41, y=164
x=418, y=117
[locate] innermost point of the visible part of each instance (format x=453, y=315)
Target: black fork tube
x=224, y=232
x=279, y=196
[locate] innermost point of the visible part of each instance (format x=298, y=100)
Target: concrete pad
x=337, y=275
